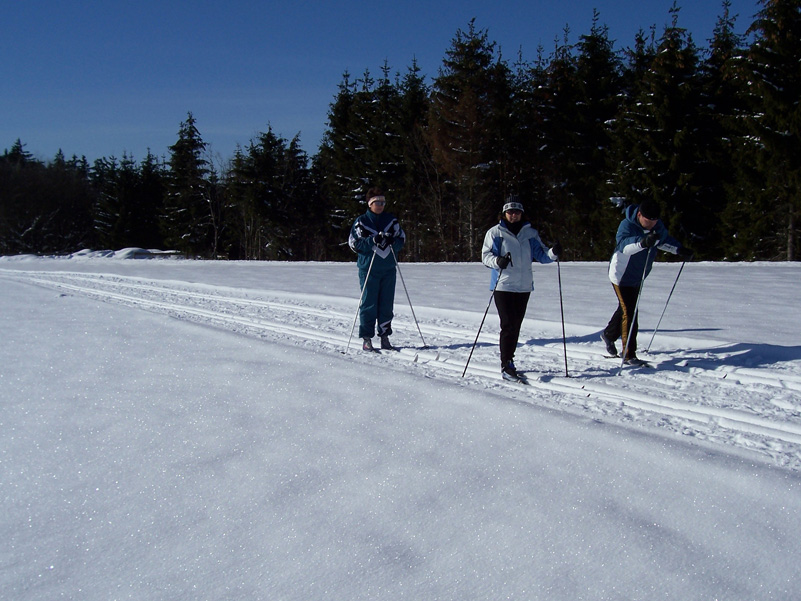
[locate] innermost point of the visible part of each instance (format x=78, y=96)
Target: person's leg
x=613, y=328
x=368, y=312
x=386, y=301
x=627, y=297
x=511, y=310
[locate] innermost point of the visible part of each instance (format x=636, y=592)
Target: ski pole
x=634, y=316
x=397, y=266
x=648, y=348
x=500, y=271
x=562, y=308
x=361, y=298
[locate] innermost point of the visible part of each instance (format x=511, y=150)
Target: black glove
x=685, y=253
x=557, y=249
x=504, y=261
x=649, y=240
x=380, y=240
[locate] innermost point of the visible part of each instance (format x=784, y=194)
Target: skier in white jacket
x=510, y=247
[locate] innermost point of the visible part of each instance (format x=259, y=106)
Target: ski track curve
x=689, y=394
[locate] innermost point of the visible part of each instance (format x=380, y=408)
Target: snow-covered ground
x=201, y=430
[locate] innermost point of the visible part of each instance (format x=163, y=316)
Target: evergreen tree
x=578, y=99
x=339, y=164
x=108, y=205
x=627, y=184
x=772, y=68
x=557, y=207
x=590, y=170
x=150, y=191
x=721, y=106
x=417, y=191
x=468, y=127
x=533, y=170
x=18, y=156
x=188, y=219
x=44, y=208
x=306, y=214
x=244, y=221
x=659, y=136
x=269, y=192
x=372, y=139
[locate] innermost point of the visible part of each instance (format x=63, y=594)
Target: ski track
x=689, y=394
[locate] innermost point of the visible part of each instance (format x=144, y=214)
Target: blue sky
x=99, y=79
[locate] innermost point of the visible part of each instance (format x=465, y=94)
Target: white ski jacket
x=524, y=248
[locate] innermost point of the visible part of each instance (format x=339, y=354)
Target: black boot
x=611, y=349
x=509, y=372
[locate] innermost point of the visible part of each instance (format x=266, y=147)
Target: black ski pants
x=511, y=309
x=621, y=322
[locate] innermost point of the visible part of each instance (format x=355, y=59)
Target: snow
x=178, y=429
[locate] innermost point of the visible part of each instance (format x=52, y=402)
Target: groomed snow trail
x=690, y=393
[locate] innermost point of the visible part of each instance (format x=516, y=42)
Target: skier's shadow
x=738, y=354
x=596, y=337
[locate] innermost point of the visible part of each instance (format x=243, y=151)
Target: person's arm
x=360, y=240
x=491, y=249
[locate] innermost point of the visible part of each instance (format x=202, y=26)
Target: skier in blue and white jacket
x=638, y=236
x=377, y=238
x=509, y=249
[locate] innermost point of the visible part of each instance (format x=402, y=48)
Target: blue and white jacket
x=630, y=259
x=525, y=248
x=361, y=242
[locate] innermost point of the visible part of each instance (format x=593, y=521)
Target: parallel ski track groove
x=98, y=286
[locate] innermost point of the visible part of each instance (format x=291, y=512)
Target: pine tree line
x=711, y=134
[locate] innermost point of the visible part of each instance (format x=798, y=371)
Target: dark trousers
x=511, y=309
x=621, y=322
x=378, y=299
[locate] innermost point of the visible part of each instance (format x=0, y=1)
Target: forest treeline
x=712, y=133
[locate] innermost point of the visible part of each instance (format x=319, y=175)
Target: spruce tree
x=187, y=221
x=244, y=221
x=722, y=105
x=272, y=209
x=772, y=68
x=468, y=127
x=659, y=136
x=562, y=108
x=339, y=164
x=532, y=168
x=150, y=190
x=417, y=190
x=108, y=205
x=579, y=98
x=306, y=213
x=44, y=208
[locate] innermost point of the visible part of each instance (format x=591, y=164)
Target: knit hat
x=373, y=199
x=513, y=203
x=649, y=209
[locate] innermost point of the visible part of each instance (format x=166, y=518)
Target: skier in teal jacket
x=376, y=237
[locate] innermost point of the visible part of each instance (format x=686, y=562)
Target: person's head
x=375, y=200
x=512, y=209
x=648, y=214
